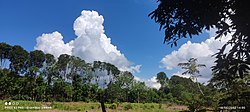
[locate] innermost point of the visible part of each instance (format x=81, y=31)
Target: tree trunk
x=102, y=105
x=199, y=86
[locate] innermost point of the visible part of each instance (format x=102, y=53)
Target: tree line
x=38, y=76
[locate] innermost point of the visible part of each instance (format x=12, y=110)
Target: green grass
x=83, y=106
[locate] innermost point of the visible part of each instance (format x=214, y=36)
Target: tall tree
x=191, y=68
x=18, y=59
x=4, y=53
x=119, y=90
x=62, y=91
x=77, y=68
x=36, y=58
x=163, y=80
x=62, y=66
x=112, y=72
x=34, y=64
x=31, y=75
x=40, y=88
x=138, y=92
x=49, y=69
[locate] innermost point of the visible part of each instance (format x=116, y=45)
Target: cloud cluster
x=53, y=43
x=152, y=83
x=91, y=43
x=203, y=51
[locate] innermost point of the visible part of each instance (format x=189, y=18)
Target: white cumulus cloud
x=152, y=82
x=53, y=43
x=203, y=51
x=90, y=44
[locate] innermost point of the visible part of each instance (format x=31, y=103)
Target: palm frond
x=184, y=64
x=201, y=65
x=186, y=72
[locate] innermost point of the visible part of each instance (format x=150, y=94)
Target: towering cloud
x=90, y=44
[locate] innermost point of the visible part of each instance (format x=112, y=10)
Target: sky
x=115, y=31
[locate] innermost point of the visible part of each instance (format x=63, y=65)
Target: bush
x=128, y=106
x=92, y=107
x=21, y=97
x=160, y=105
x=152, y=106
x=113, y=106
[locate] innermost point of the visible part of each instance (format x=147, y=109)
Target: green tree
x=50, y=74
x=62, y=66
x=49, y=69
x=191, y=68
x=163, y=80
x=138, y=92
x=120, y=88
x=36, y=58
x=40, y=88
x=34, y=63
x=185, y=91
x=89, y=91
x=181, y=19
x=187, y=83
x=236, y=90
x=4, y=53
x=177, y=91
x=18, y=59
x=77, y=68
x=112, y=72
x=62, y=91
x=152, y=95
x=6, y=82
x=31, y=75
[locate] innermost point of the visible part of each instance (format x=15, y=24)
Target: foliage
x=36, y=58
x=235, y=87
x=186, y=18
x=162, y=78
x=18, y=58
x=128, y=106
x=5, y=53
x=41, y=77
x=191, y=68
x=181, y=19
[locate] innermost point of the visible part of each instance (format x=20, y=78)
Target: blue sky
x=126, y=22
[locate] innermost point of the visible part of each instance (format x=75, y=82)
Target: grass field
x=30, y=106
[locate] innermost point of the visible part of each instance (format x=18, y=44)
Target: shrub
x=152, y=106
x=113, y=106
x=160, y=105
x=128, y=106
x=92, y=107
